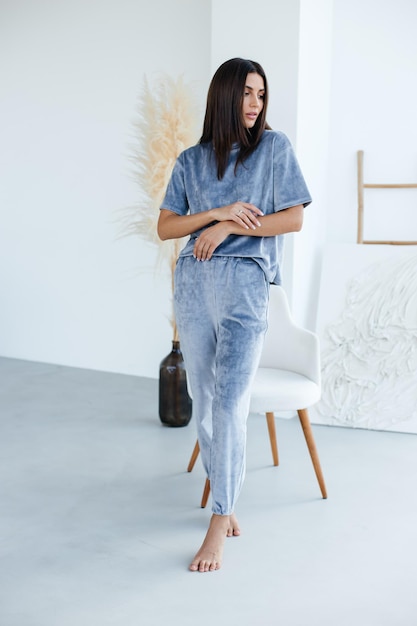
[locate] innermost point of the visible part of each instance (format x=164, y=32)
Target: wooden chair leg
x=193, y=457
x=308, y=434
x=270, y=420
x=191, y=464
x=206, y=493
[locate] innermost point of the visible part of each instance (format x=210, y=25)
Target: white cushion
x=282, y=390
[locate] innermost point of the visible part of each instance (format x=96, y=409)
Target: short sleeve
x=290, y=188
x=175, y=197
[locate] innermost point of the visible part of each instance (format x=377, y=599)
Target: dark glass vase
x=174, y=402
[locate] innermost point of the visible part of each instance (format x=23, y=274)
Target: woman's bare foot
x=209, y=556
x=233, y=529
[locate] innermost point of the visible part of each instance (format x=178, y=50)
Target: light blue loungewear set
x=221, y=304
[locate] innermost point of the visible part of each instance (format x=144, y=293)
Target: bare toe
x=233, y=529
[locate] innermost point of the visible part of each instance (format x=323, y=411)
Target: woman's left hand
x=209, y=240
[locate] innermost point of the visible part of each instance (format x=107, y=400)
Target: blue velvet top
x=270, y=178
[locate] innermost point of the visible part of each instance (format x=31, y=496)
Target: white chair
x=288, y=379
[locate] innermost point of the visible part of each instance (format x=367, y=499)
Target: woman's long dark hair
x=223, y=122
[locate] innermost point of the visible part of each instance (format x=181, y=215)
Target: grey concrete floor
x=99, y=518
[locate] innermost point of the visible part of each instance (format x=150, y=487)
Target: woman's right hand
x=243, y=213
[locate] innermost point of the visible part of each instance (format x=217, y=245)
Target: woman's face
x=253, y=99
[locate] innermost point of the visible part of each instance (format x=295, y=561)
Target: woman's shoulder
x=194, y=152
x=193, y=156
x=279, y=139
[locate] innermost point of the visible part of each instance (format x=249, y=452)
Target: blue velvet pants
x=221, y=313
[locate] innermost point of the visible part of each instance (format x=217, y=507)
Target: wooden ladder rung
x=361, y=187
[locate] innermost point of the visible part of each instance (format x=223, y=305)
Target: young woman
x=236, y=193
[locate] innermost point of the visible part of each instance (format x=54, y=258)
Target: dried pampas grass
x=166, y=125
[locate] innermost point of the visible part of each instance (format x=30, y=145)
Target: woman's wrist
x=213, y=213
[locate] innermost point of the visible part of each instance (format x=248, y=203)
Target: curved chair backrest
x=288, y=346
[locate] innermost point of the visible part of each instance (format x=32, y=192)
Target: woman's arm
x=242, y=214
x=286, y=221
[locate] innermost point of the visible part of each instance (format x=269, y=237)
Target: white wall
x=357, y=90
x=312, y=145
x=373, y=107
x=71, y=293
